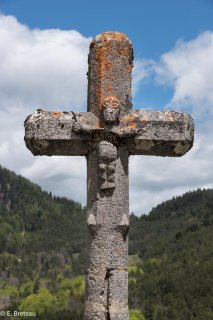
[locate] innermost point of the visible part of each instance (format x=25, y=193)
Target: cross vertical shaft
x=108, y=222
x=110, y=64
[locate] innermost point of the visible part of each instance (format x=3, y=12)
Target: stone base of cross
x=107, y=134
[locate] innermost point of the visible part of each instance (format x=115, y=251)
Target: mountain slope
x=174, y=243
x=42, y=255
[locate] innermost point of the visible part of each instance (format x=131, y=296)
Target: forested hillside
x=175, y=244
x=42, y=247
x=42, y=255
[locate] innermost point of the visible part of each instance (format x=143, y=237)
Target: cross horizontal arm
x=142, y=132
x=52, y=133
x=160, y=133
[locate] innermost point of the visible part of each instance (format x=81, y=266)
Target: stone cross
x=107, y=134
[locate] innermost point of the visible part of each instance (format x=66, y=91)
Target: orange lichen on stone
x=109, y=87
x=128, y=118
x=113, y=101
x=111, y=56
x=107, y=66
x=99, y=125
x=103, y=71
x=130, y=66
x=132, y=125
x=57, y=113
x=109, y=36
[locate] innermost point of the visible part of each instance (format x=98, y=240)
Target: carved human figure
x=125, y=125
x=110, y=110
x=107, y=154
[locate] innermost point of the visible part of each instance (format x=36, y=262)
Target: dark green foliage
x=42, y=255
x=42, y=240
x=174, y=243
x=34, y=221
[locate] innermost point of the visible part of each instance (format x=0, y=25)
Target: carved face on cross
x=110, y=110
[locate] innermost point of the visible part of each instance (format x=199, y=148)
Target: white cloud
x=42, y=67
x=188, y=69
x=156, y=179
x=142, y=70
x=63, y=176
x=45, y=68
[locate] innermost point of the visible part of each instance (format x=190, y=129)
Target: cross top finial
x=110, y=67
x=111, y=36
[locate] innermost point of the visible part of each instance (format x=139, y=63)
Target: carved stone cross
x=107, y=134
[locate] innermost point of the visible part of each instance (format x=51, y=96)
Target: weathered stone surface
x=55, y=133
x=144, y=132
x=108, y=223
x=110, y=66
x=107, y=135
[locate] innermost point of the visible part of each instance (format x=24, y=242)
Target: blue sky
x=43, y=62
x=153, y=26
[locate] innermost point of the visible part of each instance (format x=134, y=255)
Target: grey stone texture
x=144, y=132
x=107, y=134
x=108, y=223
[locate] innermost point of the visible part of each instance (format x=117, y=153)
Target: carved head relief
x=110, y=110
x=107, y=153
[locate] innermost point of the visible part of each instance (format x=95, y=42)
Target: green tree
x=41, y=303
x=136, y=315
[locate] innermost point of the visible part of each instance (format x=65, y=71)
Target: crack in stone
x=108, y=293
